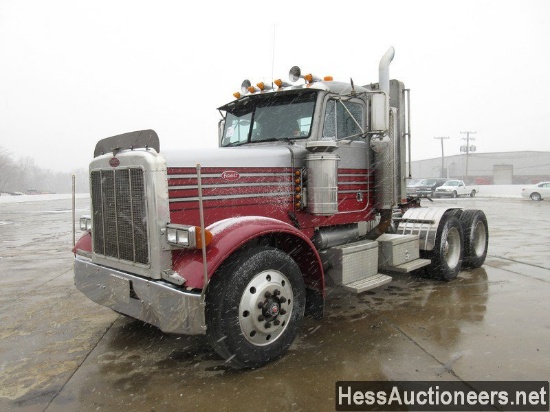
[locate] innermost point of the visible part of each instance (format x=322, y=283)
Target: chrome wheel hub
x=451, y=248
x=265, y=307
x=480, y=238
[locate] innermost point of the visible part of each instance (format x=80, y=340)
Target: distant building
x=488, y=168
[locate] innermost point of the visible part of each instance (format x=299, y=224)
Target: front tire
x=476, y=237
x=535, y=196
x=473, y=193
x=454, y=195
x=448, y=251
x=255, y=306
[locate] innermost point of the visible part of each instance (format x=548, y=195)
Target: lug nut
x=276, y=322
x=260, y=305
x=267, y=294
x=282, y=312
x=261, y=318
x=276, y=292
x=267, y=325
x=282, y=299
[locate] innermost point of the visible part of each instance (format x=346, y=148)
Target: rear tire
x=473, y=193
x=238, y=329
x=448, y=251
x=454, y=195
x=476, y=237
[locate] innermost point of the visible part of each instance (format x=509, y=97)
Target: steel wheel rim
x=266, y=307
x=480, y=238
x=452, y=248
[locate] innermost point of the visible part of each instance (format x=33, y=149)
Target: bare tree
x=26, y=177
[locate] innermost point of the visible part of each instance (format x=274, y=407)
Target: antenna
x=273, y=57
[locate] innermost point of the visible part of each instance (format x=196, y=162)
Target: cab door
x=345, y=122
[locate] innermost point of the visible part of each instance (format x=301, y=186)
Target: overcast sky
x=73, y=72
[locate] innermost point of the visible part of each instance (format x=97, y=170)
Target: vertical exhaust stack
x=384, y=156
x=384, y=71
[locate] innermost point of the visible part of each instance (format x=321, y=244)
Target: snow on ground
x=39, y=198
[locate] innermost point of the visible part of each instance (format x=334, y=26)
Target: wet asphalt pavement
x=61, y=352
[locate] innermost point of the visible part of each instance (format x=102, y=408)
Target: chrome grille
x=120, y=214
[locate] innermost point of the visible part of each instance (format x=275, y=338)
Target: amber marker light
x=328, y=79
x=237, y=95
x=198, y=237
x=280, y=84
x=263, y=87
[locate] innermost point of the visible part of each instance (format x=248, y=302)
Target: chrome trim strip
x=219, y=175
x=155, y=302
x=224, y=197
x=224, y=186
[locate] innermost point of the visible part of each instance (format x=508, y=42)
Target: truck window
x=342, y=119
x=269, y=118
x=237, y=129
x=282, y=121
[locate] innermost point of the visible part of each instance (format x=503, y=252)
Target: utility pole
x=467, y=138
x=442, y=154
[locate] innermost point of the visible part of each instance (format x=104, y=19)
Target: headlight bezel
x=186, y=236
x=85, y=223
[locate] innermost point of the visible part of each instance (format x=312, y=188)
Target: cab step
x=406, y=267
x=371, y=282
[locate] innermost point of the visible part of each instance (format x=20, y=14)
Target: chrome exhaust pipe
x=384, y=71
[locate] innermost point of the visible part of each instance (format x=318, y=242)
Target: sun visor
x=139, y=139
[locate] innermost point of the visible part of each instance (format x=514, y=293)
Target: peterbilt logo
x=230, y=175
x=114, y=162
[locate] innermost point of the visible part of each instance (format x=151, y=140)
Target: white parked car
x=455, y=188
x=537, y=191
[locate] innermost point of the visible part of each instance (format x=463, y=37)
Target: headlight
x=85, y=223
x=186, y=236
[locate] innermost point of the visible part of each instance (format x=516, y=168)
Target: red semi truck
x=308, y=182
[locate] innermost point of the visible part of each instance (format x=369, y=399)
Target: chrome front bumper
x=154, y=302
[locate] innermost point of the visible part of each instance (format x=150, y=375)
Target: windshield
x=269, y=118
x=451, y=183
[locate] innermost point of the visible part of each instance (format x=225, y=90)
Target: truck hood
x=272, y=156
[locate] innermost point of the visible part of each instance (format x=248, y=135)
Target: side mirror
x=379, y=118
